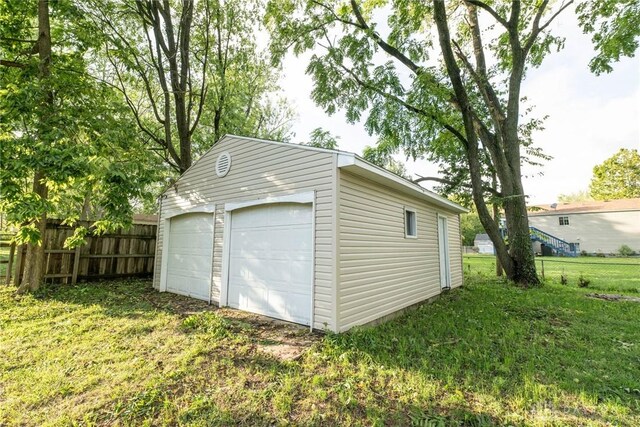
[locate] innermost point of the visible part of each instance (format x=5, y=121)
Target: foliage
x=618, y=177
x=320, y=138
x=470, y=226
x=462, y=109
x=208, y=49
x=578, y=196
x=118, y=353
x=384, y=158
x=615, y=29
x=625, y=250
x=583, y=282
x=85, y=149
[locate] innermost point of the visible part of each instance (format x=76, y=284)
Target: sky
x=590, y=117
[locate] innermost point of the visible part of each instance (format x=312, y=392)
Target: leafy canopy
x=618, y=177
x=82, y=140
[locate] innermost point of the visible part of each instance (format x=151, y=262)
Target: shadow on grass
x=548, y=349
x=540, y=349
x=123, y=298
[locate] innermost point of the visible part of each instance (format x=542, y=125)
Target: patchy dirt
x=280, y=339
x=614, y=297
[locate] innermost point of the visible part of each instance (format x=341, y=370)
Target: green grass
x=117, y=353
x=604, y=274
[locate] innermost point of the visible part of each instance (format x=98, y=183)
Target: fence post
x=76, y=265
x=17, y=278
x=12, y=252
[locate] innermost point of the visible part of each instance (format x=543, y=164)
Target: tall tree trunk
x=34, y=259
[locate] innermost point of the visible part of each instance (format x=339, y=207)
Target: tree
x=321, y=138
x=615, y=29
x=63, y=137
x=470, y=226
x=578, y=196
x=385, y=72
x=384, y=158
x=191, y=72
x=618, y=177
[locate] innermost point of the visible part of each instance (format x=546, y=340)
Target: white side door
x=443, y=249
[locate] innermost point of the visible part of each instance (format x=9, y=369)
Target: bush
x=584, y=253
x=625, y=250
x=583, y=282
x=600, y=255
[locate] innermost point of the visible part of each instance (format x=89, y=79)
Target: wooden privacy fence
x=125, y=253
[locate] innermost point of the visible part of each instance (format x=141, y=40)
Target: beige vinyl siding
x=381, y=271
x=259, y=170
x=595, y=231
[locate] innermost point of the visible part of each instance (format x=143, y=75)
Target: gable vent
x=223, y=164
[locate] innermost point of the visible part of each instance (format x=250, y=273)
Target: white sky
x=590, y=118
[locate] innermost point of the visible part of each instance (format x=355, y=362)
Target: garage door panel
x=270, y=264
x=189, y=255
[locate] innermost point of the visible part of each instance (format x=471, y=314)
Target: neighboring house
x=484, y=244
x=597, y=227
x=313, y=236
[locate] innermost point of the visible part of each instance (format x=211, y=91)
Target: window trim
x=563, y=220
x=415, y=223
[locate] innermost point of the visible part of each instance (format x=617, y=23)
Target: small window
x=410, y=223
x=564, y=220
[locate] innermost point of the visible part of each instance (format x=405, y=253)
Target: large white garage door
x=271, y=261
x=189, y=255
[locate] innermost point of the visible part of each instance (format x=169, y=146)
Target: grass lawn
x=118, y=353
x=603, y=274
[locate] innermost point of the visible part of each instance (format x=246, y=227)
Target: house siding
x=260, y=170
x=381, y=271
x=596, y=232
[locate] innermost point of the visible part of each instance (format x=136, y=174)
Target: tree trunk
x=503, y=147
x=34, y=260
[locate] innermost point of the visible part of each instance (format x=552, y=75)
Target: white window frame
x=415, y=223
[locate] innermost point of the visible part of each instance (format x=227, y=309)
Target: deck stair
x=561, y=247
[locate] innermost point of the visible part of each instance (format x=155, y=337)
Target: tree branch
x=12, y=64
x=482, y=5
x=391, y=50
x=455, y=184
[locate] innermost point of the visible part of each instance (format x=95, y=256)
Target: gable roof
x=620, y=205
x=355, y=164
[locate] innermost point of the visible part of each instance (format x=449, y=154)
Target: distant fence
x=125, y=253
x=606, y=273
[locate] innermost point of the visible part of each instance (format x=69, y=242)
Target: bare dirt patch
x=614, y=297
x=280, y=339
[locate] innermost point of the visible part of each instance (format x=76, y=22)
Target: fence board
x=124, y=253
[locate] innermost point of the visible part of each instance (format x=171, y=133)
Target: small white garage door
x=189, y=255
x=270, y=263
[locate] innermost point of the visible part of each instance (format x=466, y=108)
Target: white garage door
x=189, y=255
x=270, y=262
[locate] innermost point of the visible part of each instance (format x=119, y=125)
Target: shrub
x=600, y=255
x=583, y=282
x=625, y=250
x=584, y=253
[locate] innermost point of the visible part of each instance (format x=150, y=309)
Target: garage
x=271, y=259
x=189, y=255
